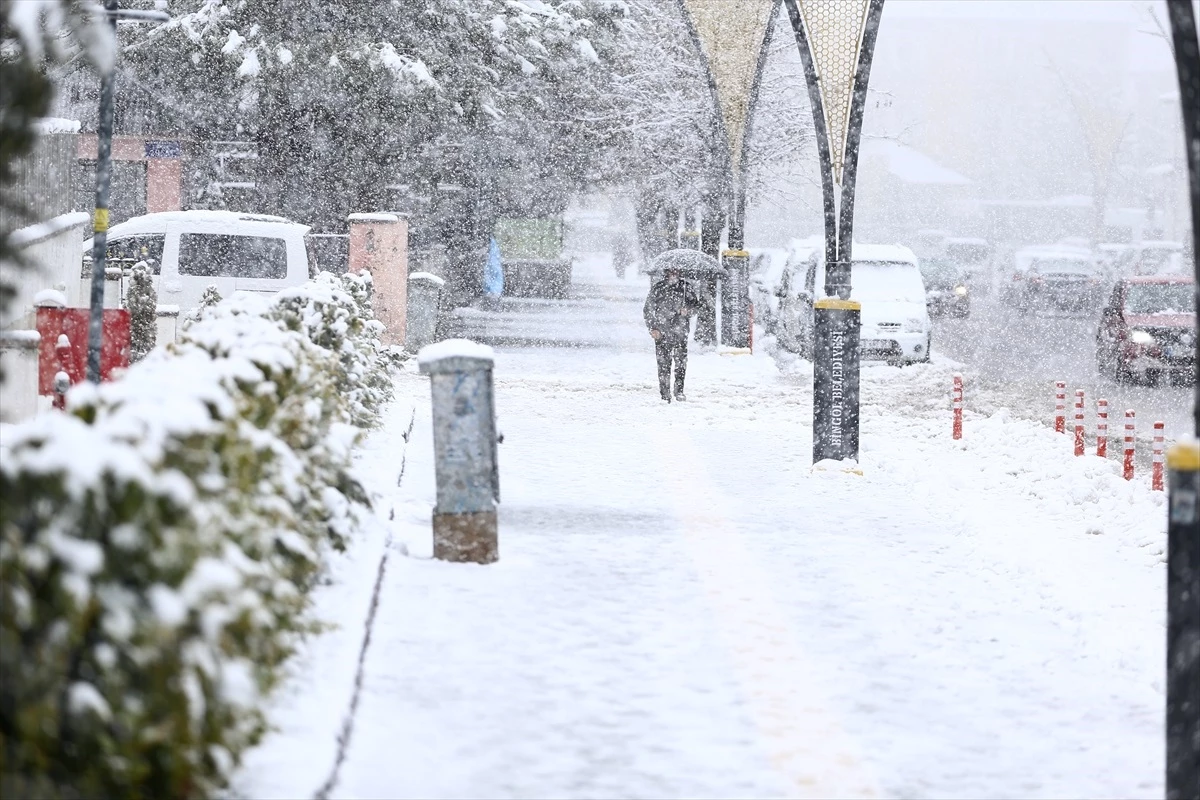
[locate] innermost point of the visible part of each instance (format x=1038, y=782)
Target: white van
x=886, y=280
x=191, y=250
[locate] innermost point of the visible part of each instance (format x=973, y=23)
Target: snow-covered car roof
x=225, y=221
x=883, y=252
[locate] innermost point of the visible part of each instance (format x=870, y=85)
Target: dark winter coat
x=669, y=307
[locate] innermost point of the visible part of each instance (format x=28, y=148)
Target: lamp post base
x=469, y=537
x=836, y=326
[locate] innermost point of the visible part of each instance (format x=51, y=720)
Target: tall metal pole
x=837, y=318
x=862, y=77
x=1183, y=462
x=104, y=136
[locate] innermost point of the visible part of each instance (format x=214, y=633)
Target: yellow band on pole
x=1184, y=457
x=100, y=222
x=735, y=253
x=835, y=303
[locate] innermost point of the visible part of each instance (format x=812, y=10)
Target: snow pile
x=158, y=543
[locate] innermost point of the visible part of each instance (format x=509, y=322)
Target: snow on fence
x=159, y=540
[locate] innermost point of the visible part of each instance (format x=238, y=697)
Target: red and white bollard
x=1156, y=469
x=1060, y=406
x=1079, y=422
x=1102, y=428
x=956, y=398
x=1130, y=428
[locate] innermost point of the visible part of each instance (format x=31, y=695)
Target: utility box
x=533, y=257
x=465, y=450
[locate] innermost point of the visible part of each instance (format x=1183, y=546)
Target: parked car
x=1059, y=277
x=1148, y=330
x=973, y=257
x=189, y=251
x=886, y=280
x=946, y=289
x=777, y=277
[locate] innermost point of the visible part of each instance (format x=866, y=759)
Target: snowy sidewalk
x=683, y=608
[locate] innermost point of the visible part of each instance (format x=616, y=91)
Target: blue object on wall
x=493, y=273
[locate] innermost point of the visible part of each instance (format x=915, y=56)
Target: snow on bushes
x=157, y=543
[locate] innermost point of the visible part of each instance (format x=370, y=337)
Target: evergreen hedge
x=158, y=542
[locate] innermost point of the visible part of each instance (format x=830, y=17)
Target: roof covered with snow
x=911, y=166
x=883, y=252
x=230, y=221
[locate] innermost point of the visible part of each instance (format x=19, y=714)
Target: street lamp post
x=732, y=35
x=836, y=39
x=104, y=136
x=1183, y=461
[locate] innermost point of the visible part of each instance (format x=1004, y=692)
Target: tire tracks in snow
x=805, y=741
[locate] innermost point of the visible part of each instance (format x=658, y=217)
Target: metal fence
x=44, y=185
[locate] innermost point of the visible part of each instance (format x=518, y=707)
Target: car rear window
x=209, y=255
x=1160, y=298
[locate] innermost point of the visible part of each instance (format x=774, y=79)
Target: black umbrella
x=688, y=262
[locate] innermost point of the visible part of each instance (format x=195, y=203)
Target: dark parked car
x=1060, y=284
x=946, y=289
x=1148, y=330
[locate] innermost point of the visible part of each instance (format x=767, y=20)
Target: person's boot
x=680, y=396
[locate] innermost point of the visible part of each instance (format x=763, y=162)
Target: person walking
x=668, y=313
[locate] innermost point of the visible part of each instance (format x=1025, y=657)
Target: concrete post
x=1183, y=621
x=424, y=299
x=379, y=245
x=735, y=300
x=464, y=446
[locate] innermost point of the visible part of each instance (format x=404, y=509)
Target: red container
x=73, y=323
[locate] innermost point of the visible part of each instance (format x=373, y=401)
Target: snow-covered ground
x=682, y=607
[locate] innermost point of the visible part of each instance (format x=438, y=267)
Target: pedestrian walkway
x=683, y=608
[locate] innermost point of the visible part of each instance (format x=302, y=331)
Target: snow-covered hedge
x=157, y=543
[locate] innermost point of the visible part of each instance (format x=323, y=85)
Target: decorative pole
x=1183, y=462
x=732, y=35
x=836, y=39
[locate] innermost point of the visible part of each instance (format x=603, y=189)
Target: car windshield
x=890, y=281
x=939, y=274
x=1160, y=298
x=1064, y=266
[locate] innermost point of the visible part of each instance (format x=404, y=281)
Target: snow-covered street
x=682, y=607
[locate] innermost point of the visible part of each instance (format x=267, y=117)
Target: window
x=210, y=255
x=1160, y=298
x=129, y=250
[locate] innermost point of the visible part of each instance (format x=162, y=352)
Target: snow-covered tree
x=343, y=100
x=142, y=304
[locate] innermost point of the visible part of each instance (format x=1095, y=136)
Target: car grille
x=1178, y=344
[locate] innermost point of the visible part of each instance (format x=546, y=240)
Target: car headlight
x=1141, y=337
x=961, y=291
x=914, y=325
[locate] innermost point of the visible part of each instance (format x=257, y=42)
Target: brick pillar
x=164, y=177
x=379, y=245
